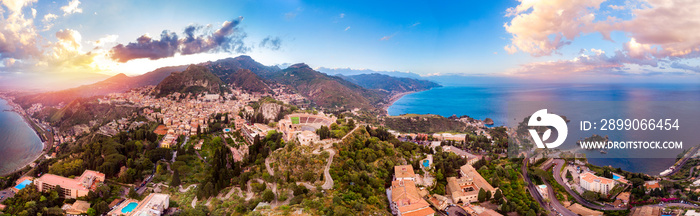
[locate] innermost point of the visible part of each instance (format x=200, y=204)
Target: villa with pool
x=153, y=205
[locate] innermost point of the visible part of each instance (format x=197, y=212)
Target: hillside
x=225, y=67
x=116, y=84
x=412, y=123
x=194, y=79
x=328, y=91
x=247, y=80
x=389, y=83
x=83, y=111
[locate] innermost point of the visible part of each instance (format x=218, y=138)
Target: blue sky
x=547, y=39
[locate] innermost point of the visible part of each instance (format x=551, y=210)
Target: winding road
x=555, y=204
x=557, y=176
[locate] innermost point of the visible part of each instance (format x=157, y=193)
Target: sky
x=63, y=42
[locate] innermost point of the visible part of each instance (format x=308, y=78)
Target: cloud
x=588, y=62
x=388, y=37
x=72, y=7
x=18, y=37
x=9, y=62
x=342, y=15
x=542, y=27
x=658, y=31
x=228, y=38
x=657, y=28
x=290, y=15
x=108, y=39
x=67, y=52
x=146, y=47
x=415, y=24
x=271, y=43
x=47, y=21
x=347, y=28
x=682, y=66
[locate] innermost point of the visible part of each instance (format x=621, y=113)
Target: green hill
x=327, y=91
x=389, y=83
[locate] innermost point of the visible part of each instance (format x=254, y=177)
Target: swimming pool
x=23, y=184
x=426, y=163
x=130, y=207
x=616, y=177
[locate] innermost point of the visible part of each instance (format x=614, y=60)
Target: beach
x=395, y=98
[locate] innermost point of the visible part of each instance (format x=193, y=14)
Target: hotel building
x=596, y=183
x=72, y=188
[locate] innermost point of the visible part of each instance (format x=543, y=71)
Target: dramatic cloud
x=542, y=27
x=18, y=37
x=228, y=38
x=271, y=43
x=72, y=8
x=67, y=52
x=657, y=28
x=146, y=47
x=658, y=32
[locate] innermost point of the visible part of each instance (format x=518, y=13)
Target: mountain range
x=355, y=91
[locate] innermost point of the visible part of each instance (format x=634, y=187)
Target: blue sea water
x=491, y=101
x=19, y=144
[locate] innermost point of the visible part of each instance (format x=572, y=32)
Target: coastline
x=27, y=120
x=395, y=98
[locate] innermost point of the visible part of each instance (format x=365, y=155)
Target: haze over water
x=482, y=101
x=19, y=144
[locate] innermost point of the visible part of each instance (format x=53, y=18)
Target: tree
x=568, y=175
x=176, y=179
x=59, y=190
x=498, y=195
x=132, y=193
x=268, y=195
x=590, y=195
x=488, y=195
x=90, y=211
x=101, y=207
x=482, y=195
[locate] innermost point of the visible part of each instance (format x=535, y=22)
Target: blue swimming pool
x=23, y=184
x=426, y=163
x=130, y=207
x=616, y=177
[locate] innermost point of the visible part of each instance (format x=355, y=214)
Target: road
x=556, y=206
x=557, y=176
x=326, y=172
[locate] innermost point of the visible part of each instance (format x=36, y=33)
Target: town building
x=257, y=129
x=595, y=183
x=465, y=189
x=72, y=188
x=78, y=208
x=622, y=199
x=404, y=172
x=404, y=197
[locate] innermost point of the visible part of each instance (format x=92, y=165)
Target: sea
x=19, y=144
x=491, y=100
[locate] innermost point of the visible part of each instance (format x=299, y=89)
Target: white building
x=596, y=183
